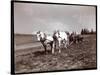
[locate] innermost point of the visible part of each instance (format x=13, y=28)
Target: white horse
x=45, y=40
x=61, y=37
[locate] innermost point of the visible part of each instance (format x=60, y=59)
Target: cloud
x=30, y=17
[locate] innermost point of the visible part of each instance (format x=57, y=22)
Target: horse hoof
x=52, y=52
x=59, y=51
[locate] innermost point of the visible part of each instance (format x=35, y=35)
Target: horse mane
x=54, y=37
x=38, y=32
x=67, y=32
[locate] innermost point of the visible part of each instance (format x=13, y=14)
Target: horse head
x=38, y=35
x=41, y=36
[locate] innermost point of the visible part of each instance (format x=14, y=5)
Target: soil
x=81, y=55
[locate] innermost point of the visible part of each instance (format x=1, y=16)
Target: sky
x=31, y=17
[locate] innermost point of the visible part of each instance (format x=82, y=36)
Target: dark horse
x=75, y=38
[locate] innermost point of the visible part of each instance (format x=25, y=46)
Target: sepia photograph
x=51, y=37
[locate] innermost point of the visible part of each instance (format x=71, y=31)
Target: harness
x=44, y=39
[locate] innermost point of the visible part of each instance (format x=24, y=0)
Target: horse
x=60, y=37
x=45, y=40
x=79, y=38
x=75, y=38
x=72, y=38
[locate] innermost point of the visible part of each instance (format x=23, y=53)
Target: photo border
x=12, y=36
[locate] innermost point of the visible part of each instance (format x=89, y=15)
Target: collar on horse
x=43, y=39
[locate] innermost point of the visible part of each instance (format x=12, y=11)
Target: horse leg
x=67, y=43
x=59, y=46
x=51, y=44
x=53, y=47
x=44, y=47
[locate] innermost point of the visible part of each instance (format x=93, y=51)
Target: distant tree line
x=86, y=31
